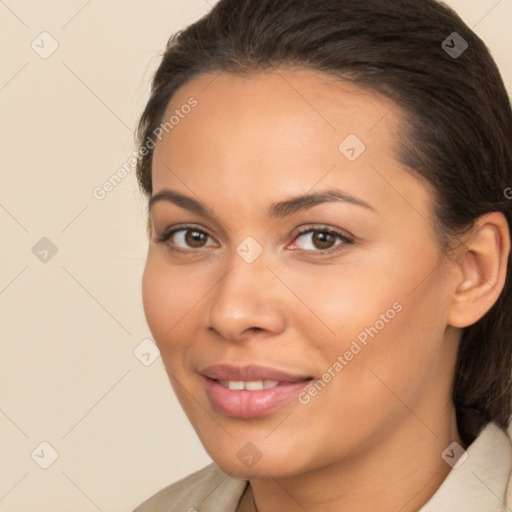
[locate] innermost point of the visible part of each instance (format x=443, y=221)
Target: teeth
x=251, y=385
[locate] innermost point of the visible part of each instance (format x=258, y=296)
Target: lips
x=228, y=372
x=250, y=391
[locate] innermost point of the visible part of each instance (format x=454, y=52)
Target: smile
x=251, y=385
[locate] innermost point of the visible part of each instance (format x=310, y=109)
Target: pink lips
x=247, y=373
x=250, y=404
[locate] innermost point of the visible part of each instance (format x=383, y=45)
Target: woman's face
x=345, y=293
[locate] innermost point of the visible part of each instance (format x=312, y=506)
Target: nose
x=246, y=302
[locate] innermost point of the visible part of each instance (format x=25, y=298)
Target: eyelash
x=164, y=238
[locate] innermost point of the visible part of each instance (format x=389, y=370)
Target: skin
x=372, y=438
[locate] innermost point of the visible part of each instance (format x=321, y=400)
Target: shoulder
x=480, y=477
x=500, y=446
x=207, y=489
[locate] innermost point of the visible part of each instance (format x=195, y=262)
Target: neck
x=401, y=472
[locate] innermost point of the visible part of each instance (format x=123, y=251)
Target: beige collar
x=480, y=483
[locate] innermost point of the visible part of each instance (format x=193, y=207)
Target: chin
x=276, y=466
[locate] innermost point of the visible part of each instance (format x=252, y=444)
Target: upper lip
x=249, y=373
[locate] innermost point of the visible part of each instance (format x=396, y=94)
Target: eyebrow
x=279, y=209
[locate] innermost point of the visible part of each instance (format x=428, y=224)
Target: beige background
x=68, y=373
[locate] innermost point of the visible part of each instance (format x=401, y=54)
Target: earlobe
x=481, y=270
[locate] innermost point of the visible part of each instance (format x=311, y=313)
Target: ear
x=481, y=270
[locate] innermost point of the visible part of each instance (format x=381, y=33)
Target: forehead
x=292, y=98
x=282, y=130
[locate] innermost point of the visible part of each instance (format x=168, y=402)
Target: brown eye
x=195, y=238
x=184, y=239
x=321, y=240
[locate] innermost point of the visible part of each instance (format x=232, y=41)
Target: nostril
x=255, y=329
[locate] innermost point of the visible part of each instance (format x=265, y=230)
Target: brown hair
x=457, y=133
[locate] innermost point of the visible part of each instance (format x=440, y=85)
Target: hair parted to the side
x=457, y=132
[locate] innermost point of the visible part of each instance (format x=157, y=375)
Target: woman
x=327, y=276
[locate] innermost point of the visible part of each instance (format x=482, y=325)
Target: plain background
x=70, y=325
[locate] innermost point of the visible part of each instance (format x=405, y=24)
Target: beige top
x=482, y=483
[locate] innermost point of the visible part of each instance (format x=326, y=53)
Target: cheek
x=168, y=296
x=389, y=364
x=381, y=314
x=338, y=302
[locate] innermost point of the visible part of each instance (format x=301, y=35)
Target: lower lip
x=251, y=404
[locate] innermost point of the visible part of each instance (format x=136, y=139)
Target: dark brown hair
x=457, y=132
